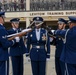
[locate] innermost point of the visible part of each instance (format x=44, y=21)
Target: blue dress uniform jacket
x=59, y=44
x=18, y=48
x=69, y=50
x=42, y=53
x=4, y=44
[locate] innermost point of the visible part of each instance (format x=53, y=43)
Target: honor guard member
x=59, y=65
x=69, y=51
x=38, y=45
x=17, y=50
x=4, y=44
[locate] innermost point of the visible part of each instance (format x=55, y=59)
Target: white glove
x=47, y=59
x=17, y=39
x=28, y=59
x=26, y=30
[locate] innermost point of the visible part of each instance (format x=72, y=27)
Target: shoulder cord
x=46, y=38
x=64, y=40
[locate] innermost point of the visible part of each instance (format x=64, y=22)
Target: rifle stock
x=20, y=34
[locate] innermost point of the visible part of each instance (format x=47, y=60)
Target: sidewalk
x=50, y=70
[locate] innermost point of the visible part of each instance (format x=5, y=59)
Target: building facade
x=50, y=10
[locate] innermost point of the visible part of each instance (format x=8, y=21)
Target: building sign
x=53, y=13
x=40, y=13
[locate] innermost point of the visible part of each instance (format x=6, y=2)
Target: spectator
x=11, y=6
x=22, y=5
x=0, y=6
x=15, y=6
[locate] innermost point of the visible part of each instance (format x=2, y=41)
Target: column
x=27, y=21
x=27, y=5
x=27, y=9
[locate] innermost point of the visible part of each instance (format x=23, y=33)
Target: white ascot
x=38, y=34
x=14, y=28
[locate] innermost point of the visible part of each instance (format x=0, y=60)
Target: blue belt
x=38, y=46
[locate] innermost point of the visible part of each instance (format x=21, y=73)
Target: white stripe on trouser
x=65, y=72
x=66, y=69
x=6, y=68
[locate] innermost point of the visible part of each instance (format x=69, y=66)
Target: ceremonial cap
x=61, y=20
x=38, y=19
x=15, y=20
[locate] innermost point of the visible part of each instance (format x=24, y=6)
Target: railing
x=13, y=7
x=39, y=5
x=53, y=5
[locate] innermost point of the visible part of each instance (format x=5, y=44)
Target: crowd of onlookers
x=37, y=5
x=53, y=5
x=12, y=6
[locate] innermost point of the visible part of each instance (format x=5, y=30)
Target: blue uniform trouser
x=38, y=67
x=17, y=64
x=59, y=66
x=70, y=69
x=4, y=67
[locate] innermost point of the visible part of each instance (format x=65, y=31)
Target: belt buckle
x=37, y=46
